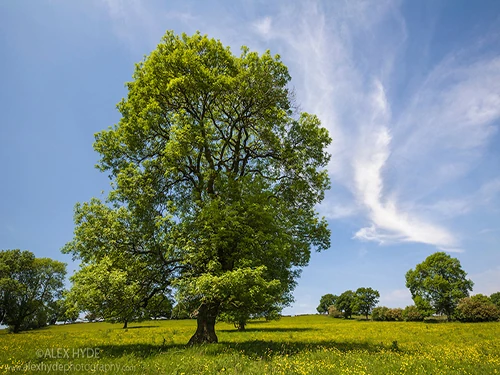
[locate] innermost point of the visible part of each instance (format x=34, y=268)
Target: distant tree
x=495, y=298
x=91, y=317
x=379, y=313
x=325, y=302
x=345, y=303
x=180, y=311
x=438, y=283
x=412, y=314
x=334, y=312
x=395, y=314
x=365, y=299
x=28, y=288
x=478, y=308
x=159, y=306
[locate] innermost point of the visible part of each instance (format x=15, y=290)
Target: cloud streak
x=390, y=163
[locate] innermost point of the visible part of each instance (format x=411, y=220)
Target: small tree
x=345, y=303
x=325, y=302
x=478, y=308
x=365, y=300
x=438, y=283
x=113, y=290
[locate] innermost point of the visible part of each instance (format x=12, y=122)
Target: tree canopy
x=438, y=283
x=495, y=298
x=325, y=302
x=365, y=299
x=215, y=179
x=29, y=287
x=345, y=303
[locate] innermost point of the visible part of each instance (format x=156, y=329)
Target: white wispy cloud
x=391, y=162
x=263, y=26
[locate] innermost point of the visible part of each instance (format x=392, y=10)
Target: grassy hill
x=292, y=345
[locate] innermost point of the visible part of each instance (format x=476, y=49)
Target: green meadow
x=292, y=345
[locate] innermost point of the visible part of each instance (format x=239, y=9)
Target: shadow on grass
x=138, y=327
x=256, y=349
x=267, y=329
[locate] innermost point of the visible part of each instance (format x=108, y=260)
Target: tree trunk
x=241, y=325
x=205, y=331
x=125, y=324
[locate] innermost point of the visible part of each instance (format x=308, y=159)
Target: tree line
x=438, y=286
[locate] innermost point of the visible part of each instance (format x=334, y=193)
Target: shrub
x=380, y=313
x=412, y=314
x=495, y=298
x=383, y=313
x=334, y=312
x=394, y=314
x=478, y=308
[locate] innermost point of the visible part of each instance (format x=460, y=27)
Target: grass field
x=292, y=345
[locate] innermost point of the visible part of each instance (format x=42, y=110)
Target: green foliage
x=495, y=298
x=334, y=313
x=214, y=177
x=395, y=314
x=382, y=313
x=246, y=294
x=438, y=283
x=412, y=314
x=478, y=308
x=345, y=303
x=62, y=311
x=159, y=306
x=118, y=292
x=325, y=302
x=29, y=287
x=365, y=300
x=379, y=313
x=181, y=312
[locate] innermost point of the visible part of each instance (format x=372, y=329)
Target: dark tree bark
x=125, y=324
x=241, y=325
x=205, y=331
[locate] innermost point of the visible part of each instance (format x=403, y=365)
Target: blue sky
x=410, y=92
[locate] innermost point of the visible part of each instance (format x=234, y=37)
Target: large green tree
x=28, y=288
x=365, y=299
x=438, y=283
x=215, y=178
